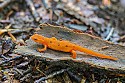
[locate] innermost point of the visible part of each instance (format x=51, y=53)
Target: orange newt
x=65, y=46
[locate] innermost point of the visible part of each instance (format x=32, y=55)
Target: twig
x=20, y=72
x=75, y=77
x=45, y=4
x=5, y=21
x=51, y=75
x=5, y=3
x=25, y=77
x=12, y=37
x=33, y=10
x=110, y=34
x=3, y=62
x=2, y=56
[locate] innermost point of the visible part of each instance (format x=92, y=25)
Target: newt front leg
x=73, y=54
x=42, y=49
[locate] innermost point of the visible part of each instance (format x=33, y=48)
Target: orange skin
x=65, y=46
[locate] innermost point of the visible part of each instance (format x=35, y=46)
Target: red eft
x=65, y=46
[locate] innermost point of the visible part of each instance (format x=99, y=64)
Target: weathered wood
x=82, y=39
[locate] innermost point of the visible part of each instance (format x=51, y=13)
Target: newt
x=65, y=46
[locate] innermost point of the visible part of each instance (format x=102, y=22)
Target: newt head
x=37, y=38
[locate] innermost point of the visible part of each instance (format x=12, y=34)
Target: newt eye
x=35, y=39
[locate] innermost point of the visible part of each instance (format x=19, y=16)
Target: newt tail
x=93, y=53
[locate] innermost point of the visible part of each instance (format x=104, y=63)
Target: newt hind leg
x=42, y=49
x=73, y=54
